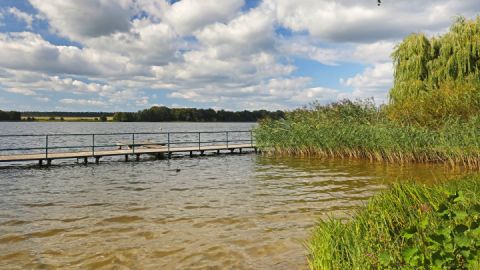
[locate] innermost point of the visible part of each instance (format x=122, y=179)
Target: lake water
x=213, y=212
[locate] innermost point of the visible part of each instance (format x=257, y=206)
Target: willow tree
x=437, y=77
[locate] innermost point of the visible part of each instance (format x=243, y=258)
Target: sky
x=126, y=55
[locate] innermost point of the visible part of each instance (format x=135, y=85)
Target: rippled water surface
x=214, y=212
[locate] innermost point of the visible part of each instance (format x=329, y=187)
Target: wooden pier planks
x=120, y=152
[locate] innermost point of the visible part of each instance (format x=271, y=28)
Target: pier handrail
x=123, y=133
x=48, y=147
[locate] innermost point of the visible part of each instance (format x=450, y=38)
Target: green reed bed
x=360, y=130
x=410, y=226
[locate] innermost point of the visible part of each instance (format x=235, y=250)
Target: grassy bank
x=410, y=226
x=361, y=130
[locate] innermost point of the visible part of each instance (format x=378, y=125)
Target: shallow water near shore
x=214, y=212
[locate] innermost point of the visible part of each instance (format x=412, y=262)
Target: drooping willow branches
x=438, y=76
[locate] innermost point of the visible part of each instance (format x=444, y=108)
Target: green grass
x=360, y=130
x=394, y=230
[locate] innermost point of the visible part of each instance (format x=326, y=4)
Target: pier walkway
x=25, y=147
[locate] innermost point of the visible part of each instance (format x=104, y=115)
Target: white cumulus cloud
x=364, y=21
x=86, y=18
x=374, y=82
x=119, y=54
x=83, y=102
x=23, y=16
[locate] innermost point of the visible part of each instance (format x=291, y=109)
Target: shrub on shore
x=410, y=226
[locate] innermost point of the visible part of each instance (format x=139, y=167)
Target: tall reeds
x=360, y=130
x=433, y=114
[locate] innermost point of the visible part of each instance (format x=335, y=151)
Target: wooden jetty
x=133, y=147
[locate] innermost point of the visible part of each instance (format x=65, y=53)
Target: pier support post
x=126, y=158
x=85, y=160
x=256, y=150
x=40, y=162
x=202, y=152
x=191, y=153
x=231, y=150
x=49, y=162
x=240, y=150
x=97, y=160
x=169, y=155
x=218, y=152
x=137, y=158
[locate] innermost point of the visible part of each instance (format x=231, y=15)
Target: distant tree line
x=153, y=114
x=165, y=114
x=10, y=116
x=67, y=114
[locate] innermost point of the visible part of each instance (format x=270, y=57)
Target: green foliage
x=360, y=130
x=454, y=243
x=10, y=116
x=361, y=111
x=163, y=114
x=438, y=77
x=66, y=114
x=124, y=117
x=409, y=226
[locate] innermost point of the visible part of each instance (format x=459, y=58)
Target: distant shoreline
x=109, y=120
x=64, y=119
x=153, y=114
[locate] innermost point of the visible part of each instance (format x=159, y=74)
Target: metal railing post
x=227, y=138
x=46, y=147
x=133, y=143
x=251, y=138
x=168, y=141
x=93, y=144
x=198, y=140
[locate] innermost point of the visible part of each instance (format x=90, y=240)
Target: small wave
x=14, y=222
x=14, y=255
x=39, y=204
x=90, y=205
x=46, y=233
x=179, y=189
x=68, y=220
x=123, y=219
x=8, y=239
x=189, y=207
x=164, y=253
x=138, y=209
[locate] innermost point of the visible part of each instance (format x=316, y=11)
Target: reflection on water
x=217, y=212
